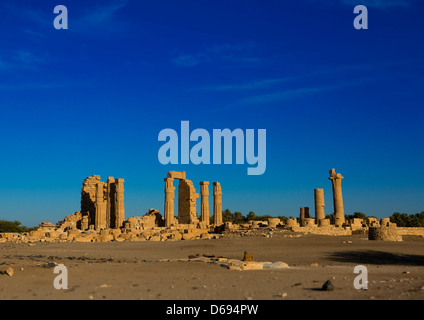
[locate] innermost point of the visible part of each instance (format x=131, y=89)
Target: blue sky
x=93, y=99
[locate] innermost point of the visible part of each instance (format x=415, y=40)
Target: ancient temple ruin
x=102, y=203
x=336, y=179
x=319, y=205
x=102, y=217
x=187, y=197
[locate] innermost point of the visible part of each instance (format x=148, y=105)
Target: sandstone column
x=304, y=214
x=319, y=205
x=187, y=197
x=217, y=206
x=100, y=205
x=169, y=202
x=336, y=179
x=110, y=206
x=204, y=192
x=119, y=203
x=88, y=198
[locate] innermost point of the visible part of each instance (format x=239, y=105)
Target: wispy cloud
x=237, y=52
x=100, y=16
x=188, y=60
x=27, y=57
x=4, y=65
x=254, y=85
x=286, y=94
x=273, y=90
x=38, y=86
x=270, y=83
x=377, y=4
x=21, y=59
x=380, y=3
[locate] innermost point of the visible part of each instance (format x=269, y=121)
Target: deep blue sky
x=92, y=100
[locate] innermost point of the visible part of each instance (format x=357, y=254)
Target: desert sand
x=151, y=270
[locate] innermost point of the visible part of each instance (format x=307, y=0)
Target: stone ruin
x=337, y=225
x=102, y=217
x=102, y=204
x=187, y=198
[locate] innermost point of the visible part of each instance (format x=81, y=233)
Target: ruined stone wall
x=88, y=198
x=384, y=234
x=187, y=197
x=102, y=204
x=411, y=231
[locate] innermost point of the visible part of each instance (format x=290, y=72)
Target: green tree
x=227, y=216
x=238, y=217
x=251, y=216
x=356, y=215
x=405, y=220
x=283, y=219
x=12, y=227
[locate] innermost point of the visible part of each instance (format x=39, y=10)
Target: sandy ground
x=132, y=270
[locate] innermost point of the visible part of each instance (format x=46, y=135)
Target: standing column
x=217, y=204
x=169, y=202
x=336, y=179
x=204, y=193
x=100, y=205
x=304, y=214
x=119, y=203
x=319, y=204
x=110, y=206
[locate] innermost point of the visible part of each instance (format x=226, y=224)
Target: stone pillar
x=304, y=214
x=88, y=198
x=110, y=205
x=217, y=204
x=336, y=179
x=204, y=193
x=319, y=205
x=100, y=205
x=119, y=203
x=169, y=202
x=187, y=196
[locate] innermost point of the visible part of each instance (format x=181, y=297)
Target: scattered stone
x=328, y=286
x=251, y=265
x=248, y=257
x=50, y=265
x=275, y=265
x=8, y=272
x=154, y=238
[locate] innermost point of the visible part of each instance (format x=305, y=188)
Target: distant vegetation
x=238, y=217
x=401, y=219
x=13, y=227
x=408, y=220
